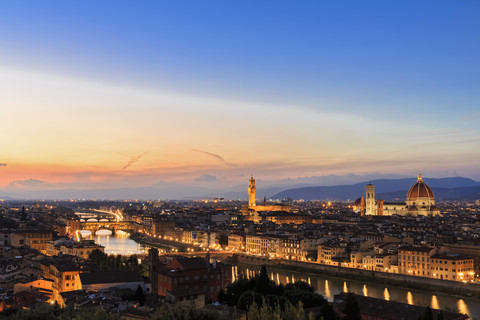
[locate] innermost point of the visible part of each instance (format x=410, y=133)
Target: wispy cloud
x=29, y=183
x=3, y=164
x=216, y=156
x=133, y=159
x=206, y=178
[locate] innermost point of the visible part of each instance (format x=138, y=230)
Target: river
x=325, y=285
x=330, y=286
x=120, y=243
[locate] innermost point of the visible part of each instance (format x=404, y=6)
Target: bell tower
x=252, y=190
x=370, y=200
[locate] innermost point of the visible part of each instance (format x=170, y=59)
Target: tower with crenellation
x=252, y=190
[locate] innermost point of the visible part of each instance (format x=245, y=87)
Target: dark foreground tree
x=184, y=312
x=440, y=316
x=428, y=314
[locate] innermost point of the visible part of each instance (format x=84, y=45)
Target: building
x=188, y=274
x=185, y=296
x=80, y=249
x=250, y=211
x=256, y=244
x=161, y=226
x=327, y=252
x=236, y=242
x=107, y=280
x=419, y=201
x=414, y=260
x=282, y=217
x=452, y=267
x=44, y=286
x=35, y=239
x=64, y=272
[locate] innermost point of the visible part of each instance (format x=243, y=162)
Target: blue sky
x=384, y=86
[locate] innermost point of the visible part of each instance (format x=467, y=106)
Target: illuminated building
x=419, y=201
x=251, y=211
x=452, y=267
x=414, y=260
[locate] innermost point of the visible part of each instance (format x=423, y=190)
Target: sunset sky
x=107, y=94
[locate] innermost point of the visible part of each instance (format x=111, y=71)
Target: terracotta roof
x=444, y=256
x=419, y=190
x=110, y=277
x=191, y=263
x=417, y=248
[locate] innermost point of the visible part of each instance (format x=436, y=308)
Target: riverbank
x=149, y=242
x=467, y=290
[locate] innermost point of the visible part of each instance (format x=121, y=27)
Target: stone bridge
x=113, y=226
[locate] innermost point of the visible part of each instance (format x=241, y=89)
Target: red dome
x=419, y=190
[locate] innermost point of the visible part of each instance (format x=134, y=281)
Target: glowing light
x=462, y=307
x=328, y=294
x=365, y=290
x=434, y=302
x=386, y=294
x=409, y=298
x=345, y=289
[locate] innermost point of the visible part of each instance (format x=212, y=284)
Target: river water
x=325, y=285
x=330, y=286
x=120, y=243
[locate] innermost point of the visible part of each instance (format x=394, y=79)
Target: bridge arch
x=104, y=232
x=85, y=233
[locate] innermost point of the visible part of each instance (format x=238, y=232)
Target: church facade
x=419, y=201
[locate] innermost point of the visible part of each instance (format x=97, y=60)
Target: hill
x=454, y=188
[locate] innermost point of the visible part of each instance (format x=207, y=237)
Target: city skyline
x=115, y=95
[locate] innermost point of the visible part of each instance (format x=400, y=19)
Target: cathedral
x=420, y=201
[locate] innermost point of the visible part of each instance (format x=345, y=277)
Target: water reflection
x=409, y=298
x=120, y=243
x=328, y=294
x=434, y=303
x=462, y=307
x=386, y=294
x=329, y=287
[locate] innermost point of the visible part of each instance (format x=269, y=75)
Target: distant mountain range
x=390, y=189
x=456, y=188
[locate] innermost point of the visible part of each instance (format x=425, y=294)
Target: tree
x=351, y=308
x=428, y=314
x=262, y=282
x=140, y=296
x=223, y=240
x=327, y=312
x=440, y=316
x=184, y=312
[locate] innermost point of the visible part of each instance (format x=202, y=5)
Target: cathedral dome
x=420, y=190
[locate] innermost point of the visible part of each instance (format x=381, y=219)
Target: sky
x=115, y=94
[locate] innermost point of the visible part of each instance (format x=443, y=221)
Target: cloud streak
x=133, y=159
x=3, y=164
x=215, y=156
